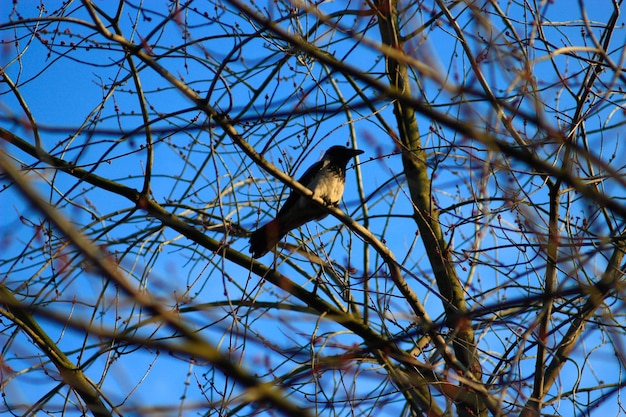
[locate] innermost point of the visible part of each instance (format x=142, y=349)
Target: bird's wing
x=305, y=180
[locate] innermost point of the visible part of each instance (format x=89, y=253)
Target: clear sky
x=66, y=72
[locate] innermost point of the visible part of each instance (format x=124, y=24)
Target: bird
x=326, y=178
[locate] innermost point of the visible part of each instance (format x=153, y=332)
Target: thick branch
x=607, y=285
x=426, y=216
x=72, y=375
x=110, y=270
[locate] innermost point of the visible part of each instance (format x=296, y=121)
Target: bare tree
x=475, y=266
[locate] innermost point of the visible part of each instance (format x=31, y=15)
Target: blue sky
x=62, y=91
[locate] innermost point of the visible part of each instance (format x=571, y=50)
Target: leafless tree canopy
x=474, y=267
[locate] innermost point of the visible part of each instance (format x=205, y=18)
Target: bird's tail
x=265, y=238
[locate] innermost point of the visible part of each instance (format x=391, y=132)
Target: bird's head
x=340, y=155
